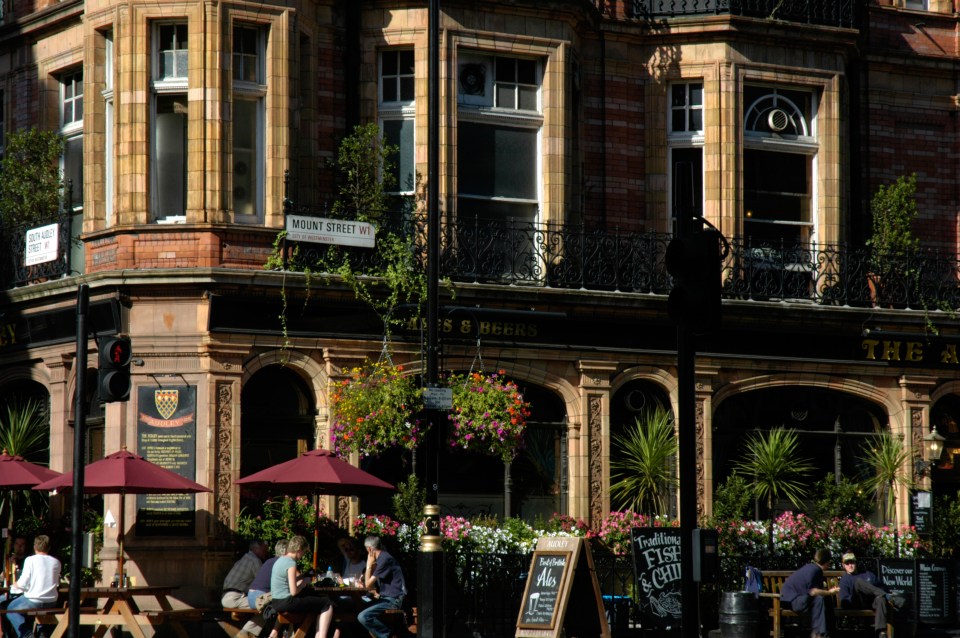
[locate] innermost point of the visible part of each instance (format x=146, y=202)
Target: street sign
x=438, y=398
x=42, y=245
x=321, y=230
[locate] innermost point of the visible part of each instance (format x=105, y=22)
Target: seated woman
x=354, y=559
x=291, y=594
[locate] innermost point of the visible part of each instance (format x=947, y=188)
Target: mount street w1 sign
x=321, y=230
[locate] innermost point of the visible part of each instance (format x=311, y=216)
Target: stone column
x=591, y=488
x=704, y=441
x=912, y=425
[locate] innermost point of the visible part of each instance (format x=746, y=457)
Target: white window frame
x=919, y=5
x=686, y=138
x=108, y=124
x=71, y=128
x=398, y=110
x=481, y=109
x=804, y=143
x=256, y=92
x=164, y=86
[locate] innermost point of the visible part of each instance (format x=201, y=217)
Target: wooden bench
x=396, y=619
x=772, y=582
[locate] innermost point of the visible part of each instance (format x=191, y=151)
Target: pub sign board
x=656, y=565
x=166, y=436
x=561, y=573
x=921, y=511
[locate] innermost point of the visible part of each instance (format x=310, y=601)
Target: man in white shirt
x=39, y=582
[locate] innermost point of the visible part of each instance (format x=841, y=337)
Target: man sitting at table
x=39, y=582
x=237, y=583
x=260, y=586
x=384, y=574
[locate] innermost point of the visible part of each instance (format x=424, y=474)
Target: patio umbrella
x=16, y=473
x=317, y=472
x=126, y=473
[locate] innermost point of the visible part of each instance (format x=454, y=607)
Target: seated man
x=383, y=573
x=237, y=583
x=261, y=585
x=859, y=590
x=804, y=592
x=39, y=582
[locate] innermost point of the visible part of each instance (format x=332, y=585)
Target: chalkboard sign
x=544, y=584
x=656, y=564
x=562, y=570
x=921, y=511
x=898, y=575
x=934, y=598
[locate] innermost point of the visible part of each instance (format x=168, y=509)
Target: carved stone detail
x=700, y=421
x=224, y=476
x=916, y=430
x=343, y=512
x=595, y=430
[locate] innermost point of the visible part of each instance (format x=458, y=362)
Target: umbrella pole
x=120, y=523
x=316, y=529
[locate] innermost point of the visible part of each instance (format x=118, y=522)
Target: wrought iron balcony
x=834, y=13
x=573, y=257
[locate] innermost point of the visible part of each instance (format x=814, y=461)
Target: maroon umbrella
x=316, y=472
x=16, y=473
x=126, y=473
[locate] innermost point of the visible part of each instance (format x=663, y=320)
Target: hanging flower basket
x=489, y=414
x=374, y=410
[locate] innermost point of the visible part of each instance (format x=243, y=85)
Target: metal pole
x=430, y=564
x=687, y=452
x=79, y=431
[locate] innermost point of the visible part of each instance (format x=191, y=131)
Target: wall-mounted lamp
x=932, y=449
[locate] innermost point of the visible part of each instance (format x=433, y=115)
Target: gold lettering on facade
x=8, y=334
x=914, y=351
x=891, y=350
x=870, y=347
x=949, y=354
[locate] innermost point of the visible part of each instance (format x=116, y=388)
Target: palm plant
x=644, y=471
x=773, y=469
x=24, y=431
x=887, y=457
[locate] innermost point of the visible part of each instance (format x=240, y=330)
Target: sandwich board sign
x=562, y=571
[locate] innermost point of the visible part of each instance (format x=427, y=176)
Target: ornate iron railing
x=834, y=13
x=14, y=270
x=574, y=257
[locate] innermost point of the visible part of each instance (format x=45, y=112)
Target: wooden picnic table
x=120, y=609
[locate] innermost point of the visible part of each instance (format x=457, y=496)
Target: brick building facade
x=580, y=131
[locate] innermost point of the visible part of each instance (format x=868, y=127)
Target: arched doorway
x=833, y=429
x=473, y=483
x=277, y=421
x=945, y=416
x=633, y=401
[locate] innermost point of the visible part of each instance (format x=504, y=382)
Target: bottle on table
x=329, y=575
x=116, y=580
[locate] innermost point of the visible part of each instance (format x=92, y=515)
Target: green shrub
x=846, y=499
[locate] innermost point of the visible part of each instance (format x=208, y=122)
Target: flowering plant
x=488, y=415
x=375, y=525
x=614, y=532
x=373, y=410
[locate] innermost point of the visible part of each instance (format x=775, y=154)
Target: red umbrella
x=317, y=472
x=16, y=473
x=126, y=473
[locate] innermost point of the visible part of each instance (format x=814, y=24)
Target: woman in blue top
x=291, y=594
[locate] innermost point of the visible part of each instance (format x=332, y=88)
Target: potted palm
x=643, y=470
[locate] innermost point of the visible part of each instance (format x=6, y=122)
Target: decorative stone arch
x=312, y=371
x=862, y=407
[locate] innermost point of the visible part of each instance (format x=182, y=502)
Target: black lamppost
x=430, y=564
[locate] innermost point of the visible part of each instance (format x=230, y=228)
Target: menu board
x=934, y=598
x=561, y=571
x=921, y=511
x=166, y=436
x=656, y=564
x=898, y=575
x=544, y=584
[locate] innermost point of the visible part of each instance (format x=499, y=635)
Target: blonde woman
x=292, y=594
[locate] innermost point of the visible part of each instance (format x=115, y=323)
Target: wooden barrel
x=738, y=614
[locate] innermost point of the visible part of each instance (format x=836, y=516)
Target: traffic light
x=695, y=264
x=113, y=377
